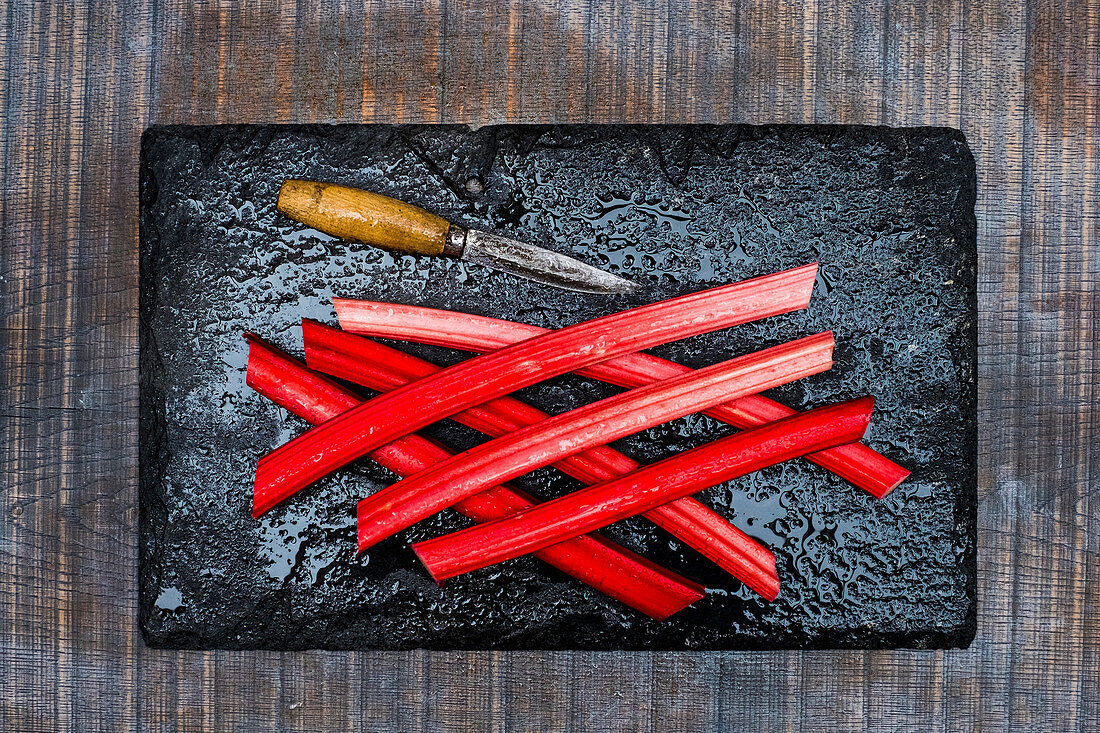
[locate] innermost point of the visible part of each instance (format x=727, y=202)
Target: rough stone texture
x=888, y=212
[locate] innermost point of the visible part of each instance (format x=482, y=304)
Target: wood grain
x=80, y=82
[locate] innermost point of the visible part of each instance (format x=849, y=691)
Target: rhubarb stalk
x=856, y=463
x=592, y=559
x=382, y=368
x=684, y=474
x=354, y=433
x=410, y=500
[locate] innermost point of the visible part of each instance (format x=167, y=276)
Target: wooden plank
x=1086, y=103
x=1058, y=281
x=29, y=624
x=922, y=66
x=682, y=696
x=403, y=63
x=701, y=73
x=850, y=53
x=73, y=103
x=772, y=58
x=627, y=53
x=921, y=62
x=477, y=49
x=1000, y=136
x=80, y=85
x=534, y=691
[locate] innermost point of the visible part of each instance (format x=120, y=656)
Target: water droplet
x=170, y=599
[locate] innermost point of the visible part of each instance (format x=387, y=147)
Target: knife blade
x=381, y=221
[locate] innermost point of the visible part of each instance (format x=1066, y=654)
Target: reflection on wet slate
x=889, y=213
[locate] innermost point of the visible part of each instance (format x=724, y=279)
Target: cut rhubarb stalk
x=353, y=434
x=681, y=475
x=858, y=464
x=418, y=497
x=370, y=364
x=592, y=559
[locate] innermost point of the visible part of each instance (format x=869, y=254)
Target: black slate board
x=888, y=212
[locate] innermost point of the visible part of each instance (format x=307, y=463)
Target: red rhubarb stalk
x=370, y=364
x=410, y=500
x=681, y=475
x=857, y=463
x=592, y=559
x=353, y=434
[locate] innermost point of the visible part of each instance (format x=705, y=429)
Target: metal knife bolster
x=455, y=243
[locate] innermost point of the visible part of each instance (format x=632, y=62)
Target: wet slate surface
x=888, y=212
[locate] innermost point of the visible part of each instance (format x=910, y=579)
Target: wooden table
x=80, y=82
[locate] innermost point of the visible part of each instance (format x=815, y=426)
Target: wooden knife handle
x=362, y=216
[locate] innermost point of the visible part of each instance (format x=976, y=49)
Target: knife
x=362, y=216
